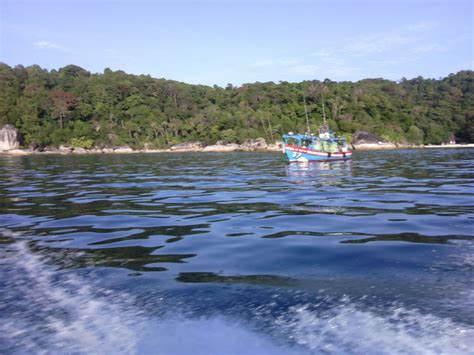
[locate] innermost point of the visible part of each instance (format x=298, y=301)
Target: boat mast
x=324, y=111
x=306, y=113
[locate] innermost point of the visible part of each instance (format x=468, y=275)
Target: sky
x=215, y=42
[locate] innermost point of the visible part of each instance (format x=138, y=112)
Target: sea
x=237, y=253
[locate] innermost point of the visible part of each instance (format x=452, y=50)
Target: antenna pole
x=324, y=111
x=306, y=113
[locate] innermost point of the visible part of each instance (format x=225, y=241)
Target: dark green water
x=237, y=253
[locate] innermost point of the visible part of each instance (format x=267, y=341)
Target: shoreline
x=210, y=149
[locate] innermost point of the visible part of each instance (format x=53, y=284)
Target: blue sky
x=242, y=41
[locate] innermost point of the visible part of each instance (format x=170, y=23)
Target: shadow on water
x=358, y=238
x=262, y=280
x=134, y=258
x=407, y=237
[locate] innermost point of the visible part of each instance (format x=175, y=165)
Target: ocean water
x=237, y=253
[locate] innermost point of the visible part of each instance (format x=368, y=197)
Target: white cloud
x=49, y=45
x=383, y=42
x=379, y=51
x=376, y=54
x=379, y=43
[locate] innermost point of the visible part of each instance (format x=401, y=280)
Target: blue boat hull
x=300, y=154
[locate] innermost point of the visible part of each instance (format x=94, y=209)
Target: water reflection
x=229, y=224
x=323, y=174
x=405, y=237
x=222, y=207
x=134, y=258
x=205, y=277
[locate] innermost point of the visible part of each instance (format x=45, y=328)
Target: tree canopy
x=73, y=106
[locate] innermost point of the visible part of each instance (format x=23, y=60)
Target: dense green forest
x=72, y=106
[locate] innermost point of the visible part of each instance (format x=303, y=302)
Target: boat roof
x=312, y=136
x=298, y=136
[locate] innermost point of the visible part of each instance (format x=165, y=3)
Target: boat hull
x=301, y=154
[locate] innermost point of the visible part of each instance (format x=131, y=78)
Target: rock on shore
x=362, y=141
x=123, y=149
x=9, y=138
x=254, y=144
x=366, y=140
x=221, y=147
x=187, y=146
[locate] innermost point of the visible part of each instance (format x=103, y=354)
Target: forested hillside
x=72, y=106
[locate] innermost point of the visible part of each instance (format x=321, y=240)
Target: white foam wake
x=346, y=328
x=48, y=310
x=52, y=311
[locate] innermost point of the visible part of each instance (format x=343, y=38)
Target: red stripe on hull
x=315, y=152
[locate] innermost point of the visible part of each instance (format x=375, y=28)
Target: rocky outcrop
x=65, y=149
x=187, y=146
x=369, y=146
x=123, y=149
x=365, y=140
x=19, y=152
x=254, y=144
x=221, y=147
x=10, y=138
x=361, y=137
x=79, y=150
x=275, y=147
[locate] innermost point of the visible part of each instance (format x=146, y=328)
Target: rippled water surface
x=237, y=253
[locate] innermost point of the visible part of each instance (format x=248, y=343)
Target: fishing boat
x=325, y=146
x=308, y=147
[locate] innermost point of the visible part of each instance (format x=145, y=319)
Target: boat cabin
x=325, y=142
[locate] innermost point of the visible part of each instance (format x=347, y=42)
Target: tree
x=415, y=135
x=57, y=106
x=9, y=91
x=63, y=102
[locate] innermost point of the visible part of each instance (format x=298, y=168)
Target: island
x=71, y=110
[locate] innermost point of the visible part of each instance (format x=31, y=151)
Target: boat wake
x=46, y=309
x=347, y=329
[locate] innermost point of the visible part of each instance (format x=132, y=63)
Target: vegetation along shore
x=71, y=110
